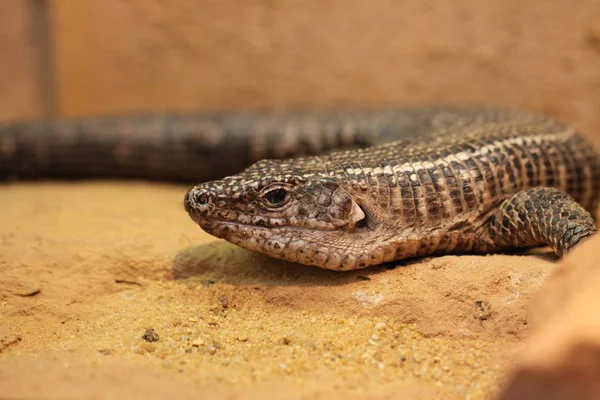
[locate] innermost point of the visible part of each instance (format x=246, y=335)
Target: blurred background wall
x=82, y=57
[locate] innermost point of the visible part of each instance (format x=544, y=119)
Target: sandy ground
x=87, y=268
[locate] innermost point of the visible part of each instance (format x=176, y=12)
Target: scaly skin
x=188, y=148
x=472, y=181
x=427, y=180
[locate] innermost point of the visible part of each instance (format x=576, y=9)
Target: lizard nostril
x=201, y=198
x=193, y=199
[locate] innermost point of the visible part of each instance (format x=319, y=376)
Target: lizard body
x=422, y=180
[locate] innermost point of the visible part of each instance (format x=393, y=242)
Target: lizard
x=342, y=189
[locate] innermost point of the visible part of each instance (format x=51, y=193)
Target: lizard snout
x=197, y=201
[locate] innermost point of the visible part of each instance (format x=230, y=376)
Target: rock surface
x=562, y=359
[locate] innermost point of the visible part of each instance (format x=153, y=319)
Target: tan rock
x=562, y=359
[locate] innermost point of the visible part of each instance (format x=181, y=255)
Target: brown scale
x=438, y=207
x=373, y=187
x=530, y=170
x=550, y=174
x=432, y=197
x=476, y=179
x=537, y=165
x=558, y=161
x=452, y=182
x=587, y=158
x=512, y=169
x=417, y=193
x=466, y=186
x=394, y=181
x=349, y=170
x=454, y=188
x=384, y=193
x=517, y=156
x=492, y=185
x=566, y=159
x=540, y=216
x=480, y=173
x=409, y=212
x=408, y=215
x=439, y=182
x=594, y=167
x=446, y=242
x=580, y=177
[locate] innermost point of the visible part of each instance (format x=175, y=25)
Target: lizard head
x=307, y=217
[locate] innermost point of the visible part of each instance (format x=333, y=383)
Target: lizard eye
x=276, y=197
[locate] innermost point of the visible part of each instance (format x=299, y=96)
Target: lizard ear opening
x=358, y=218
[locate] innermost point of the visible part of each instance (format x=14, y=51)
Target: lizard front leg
x=537, y=217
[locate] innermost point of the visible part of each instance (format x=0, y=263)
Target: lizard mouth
x=228, y=229
x=225, y=229
x=325, y=248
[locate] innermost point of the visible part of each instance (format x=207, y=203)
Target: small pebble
x=150, y=335
x=198, y=342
